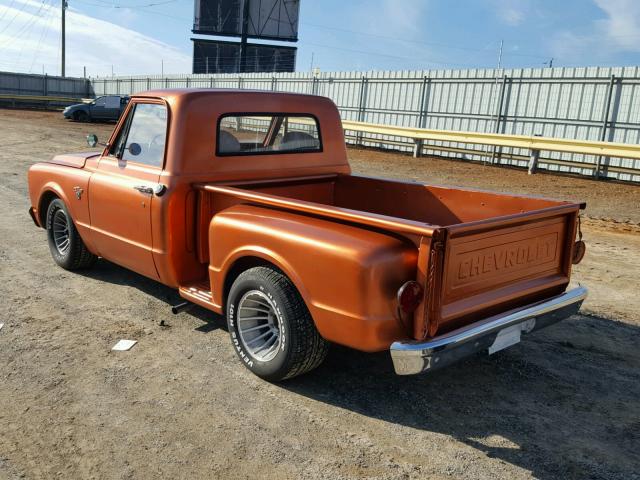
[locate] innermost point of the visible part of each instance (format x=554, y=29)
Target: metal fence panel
x=593, y=103
x=43, y=85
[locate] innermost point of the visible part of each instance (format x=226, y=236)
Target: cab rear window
x=260, y=134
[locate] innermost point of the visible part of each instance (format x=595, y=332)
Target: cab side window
x=142, y=138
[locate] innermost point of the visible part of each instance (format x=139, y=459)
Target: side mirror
x=135, y=149
x=92, y=140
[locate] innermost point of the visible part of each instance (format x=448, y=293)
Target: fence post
x=605, y=123
x=131, y=86
x=362, y=105
x=148, y=83
x=533, y=161
x=273, y=84
x=497, y=151
x=211, y=82
x=45, y=85
x=425, y=91
x=533, y=158
x=239, y=82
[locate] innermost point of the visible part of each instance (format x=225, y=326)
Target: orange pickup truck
x=244, y=202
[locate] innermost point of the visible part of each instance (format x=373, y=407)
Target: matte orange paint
x=347, y=242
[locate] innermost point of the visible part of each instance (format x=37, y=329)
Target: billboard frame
x=242, y=56
x=244, y=26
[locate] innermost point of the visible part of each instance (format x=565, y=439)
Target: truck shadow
x=564, y=403
x=559, y=409
x=106, y=271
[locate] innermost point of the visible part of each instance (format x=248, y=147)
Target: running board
x=199, y=293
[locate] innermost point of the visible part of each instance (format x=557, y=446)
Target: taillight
x=409, y=297
x=579, y=249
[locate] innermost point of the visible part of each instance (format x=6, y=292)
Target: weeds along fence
x=592, y=103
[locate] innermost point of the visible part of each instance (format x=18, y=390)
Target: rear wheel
x=67, y=248
x=81, y=116
x=270, y=326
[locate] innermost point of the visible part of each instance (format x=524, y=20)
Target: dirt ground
x=564, y=403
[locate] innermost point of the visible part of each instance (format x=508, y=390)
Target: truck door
x=121, y=190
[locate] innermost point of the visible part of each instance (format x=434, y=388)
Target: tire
x=281, y=311
x=81, y=116
x=67, y=248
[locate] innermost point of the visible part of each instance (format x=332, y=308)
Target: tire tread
x=79, y=256
x=309, y=349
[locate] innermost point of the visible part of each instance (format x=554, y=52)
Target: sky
x=127, y=37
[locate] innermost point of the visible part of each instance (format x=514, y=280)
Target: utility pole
x=500, y=54
x=312, y=55
x=162, y=67
x=243, y=39
x=62, y=32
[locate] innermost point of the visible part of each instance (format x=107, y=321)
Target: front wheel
x=81, y=116
x=270, y=326
x=67, y=248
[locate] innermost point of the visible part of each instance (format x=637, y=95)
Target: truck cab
x=245, y=203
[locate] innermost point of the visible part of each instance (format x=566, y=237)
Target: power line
x=27, y=26
x=44, y=34
x=395, y=57
x=435, y=44
x=18, y=12
x=7, y=8
x=102, y=4
x=108, y=6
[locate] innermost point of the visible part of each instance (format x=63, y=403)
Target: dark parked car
x=108, y=107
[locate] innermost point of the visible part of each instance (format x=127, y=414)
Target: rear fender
x=348, y=276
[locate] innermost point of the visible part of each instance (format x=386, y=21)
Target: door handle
x=144, y=189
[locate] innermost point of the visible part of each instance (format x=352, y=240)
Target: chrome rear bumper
x=416, y=357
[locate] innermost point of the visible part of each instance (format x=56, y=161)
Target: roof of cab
x=176, y=96
x=183, y=93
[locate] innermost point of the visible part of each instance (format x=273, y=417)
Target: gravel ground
x=564, y=403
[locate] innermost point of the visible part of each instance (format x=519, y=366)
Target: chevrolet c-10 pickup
x=245, y=203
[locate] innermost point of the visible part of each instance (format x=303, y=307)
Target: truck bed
x=479, y=253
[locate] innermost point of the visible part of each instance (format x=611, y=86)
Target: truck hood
x=75, y=160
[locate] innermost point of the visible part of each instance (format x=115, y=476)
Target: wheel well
x=45, y=200
x=239, y=266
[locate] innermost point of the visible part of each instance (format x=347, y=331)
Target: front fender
x=63, y=182
x=348, y=276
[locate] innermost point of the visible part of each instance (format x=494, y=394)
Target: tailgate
x=492, y=266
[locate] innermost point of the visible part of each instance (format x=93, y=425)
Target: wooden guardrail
x=46, y=99
x=533, y=143
x=588, y=147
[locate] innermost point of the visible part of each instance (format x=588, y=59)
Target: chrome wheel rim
x=258, y=325
x=60, y=230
